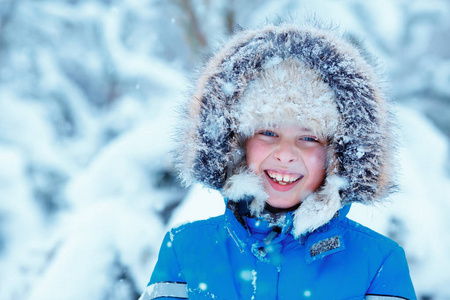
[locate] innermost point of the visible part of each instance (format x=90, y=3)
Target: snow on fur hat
x=303, y=75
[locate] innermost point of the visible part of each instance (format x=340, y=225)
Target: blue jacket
x=219, y=258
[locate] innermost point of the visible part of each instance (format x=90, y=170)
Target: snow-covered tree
x=88, y=96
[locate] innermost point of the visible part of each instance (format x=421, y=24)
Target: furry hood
x=324, y=75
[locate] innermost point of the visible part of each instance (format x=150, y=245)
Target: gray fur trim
x=360, y=152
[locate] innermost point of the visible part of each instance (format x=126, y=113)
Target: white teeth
x=282, y=179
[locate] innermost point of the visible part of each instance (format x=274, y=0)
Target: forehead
x=286, y=127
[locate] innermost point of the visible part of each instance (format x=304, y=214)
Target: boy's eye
x=309, y=139
x=268, y=133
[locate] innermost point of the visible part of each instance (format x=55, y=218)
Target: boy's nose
x=286, y=153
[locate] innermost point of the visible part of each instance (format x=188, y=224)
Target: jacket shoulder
x=389, y=271
x=196, y=228
x=369, y=237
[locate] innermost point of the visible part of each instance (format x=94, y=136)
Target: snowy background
x=88, y=94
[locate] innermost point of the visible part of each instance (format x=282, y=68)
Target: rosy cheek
x=250, y=153
x=255, y=152
x=317, y=158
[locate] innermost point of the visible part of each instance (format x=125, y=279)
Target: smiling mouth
x=283, y=179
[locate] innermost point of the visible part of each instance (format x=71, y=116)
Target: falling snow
x=85, y=137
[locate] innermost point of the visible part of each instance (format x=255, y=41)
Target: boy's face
x=291, y=160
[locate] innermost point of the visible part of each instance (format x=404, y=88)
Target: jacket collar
x=265, y=242
x=260, y=227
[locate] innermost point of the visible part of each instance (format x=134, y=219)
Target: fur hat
x=302, y=75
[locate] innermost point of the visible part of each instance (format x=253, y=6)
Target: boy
x=290, y=124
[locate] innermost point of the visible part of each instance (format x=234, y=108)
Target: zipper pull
x=269, y=238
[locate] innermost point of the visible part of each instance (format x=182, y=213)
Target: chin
x=282, y=203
